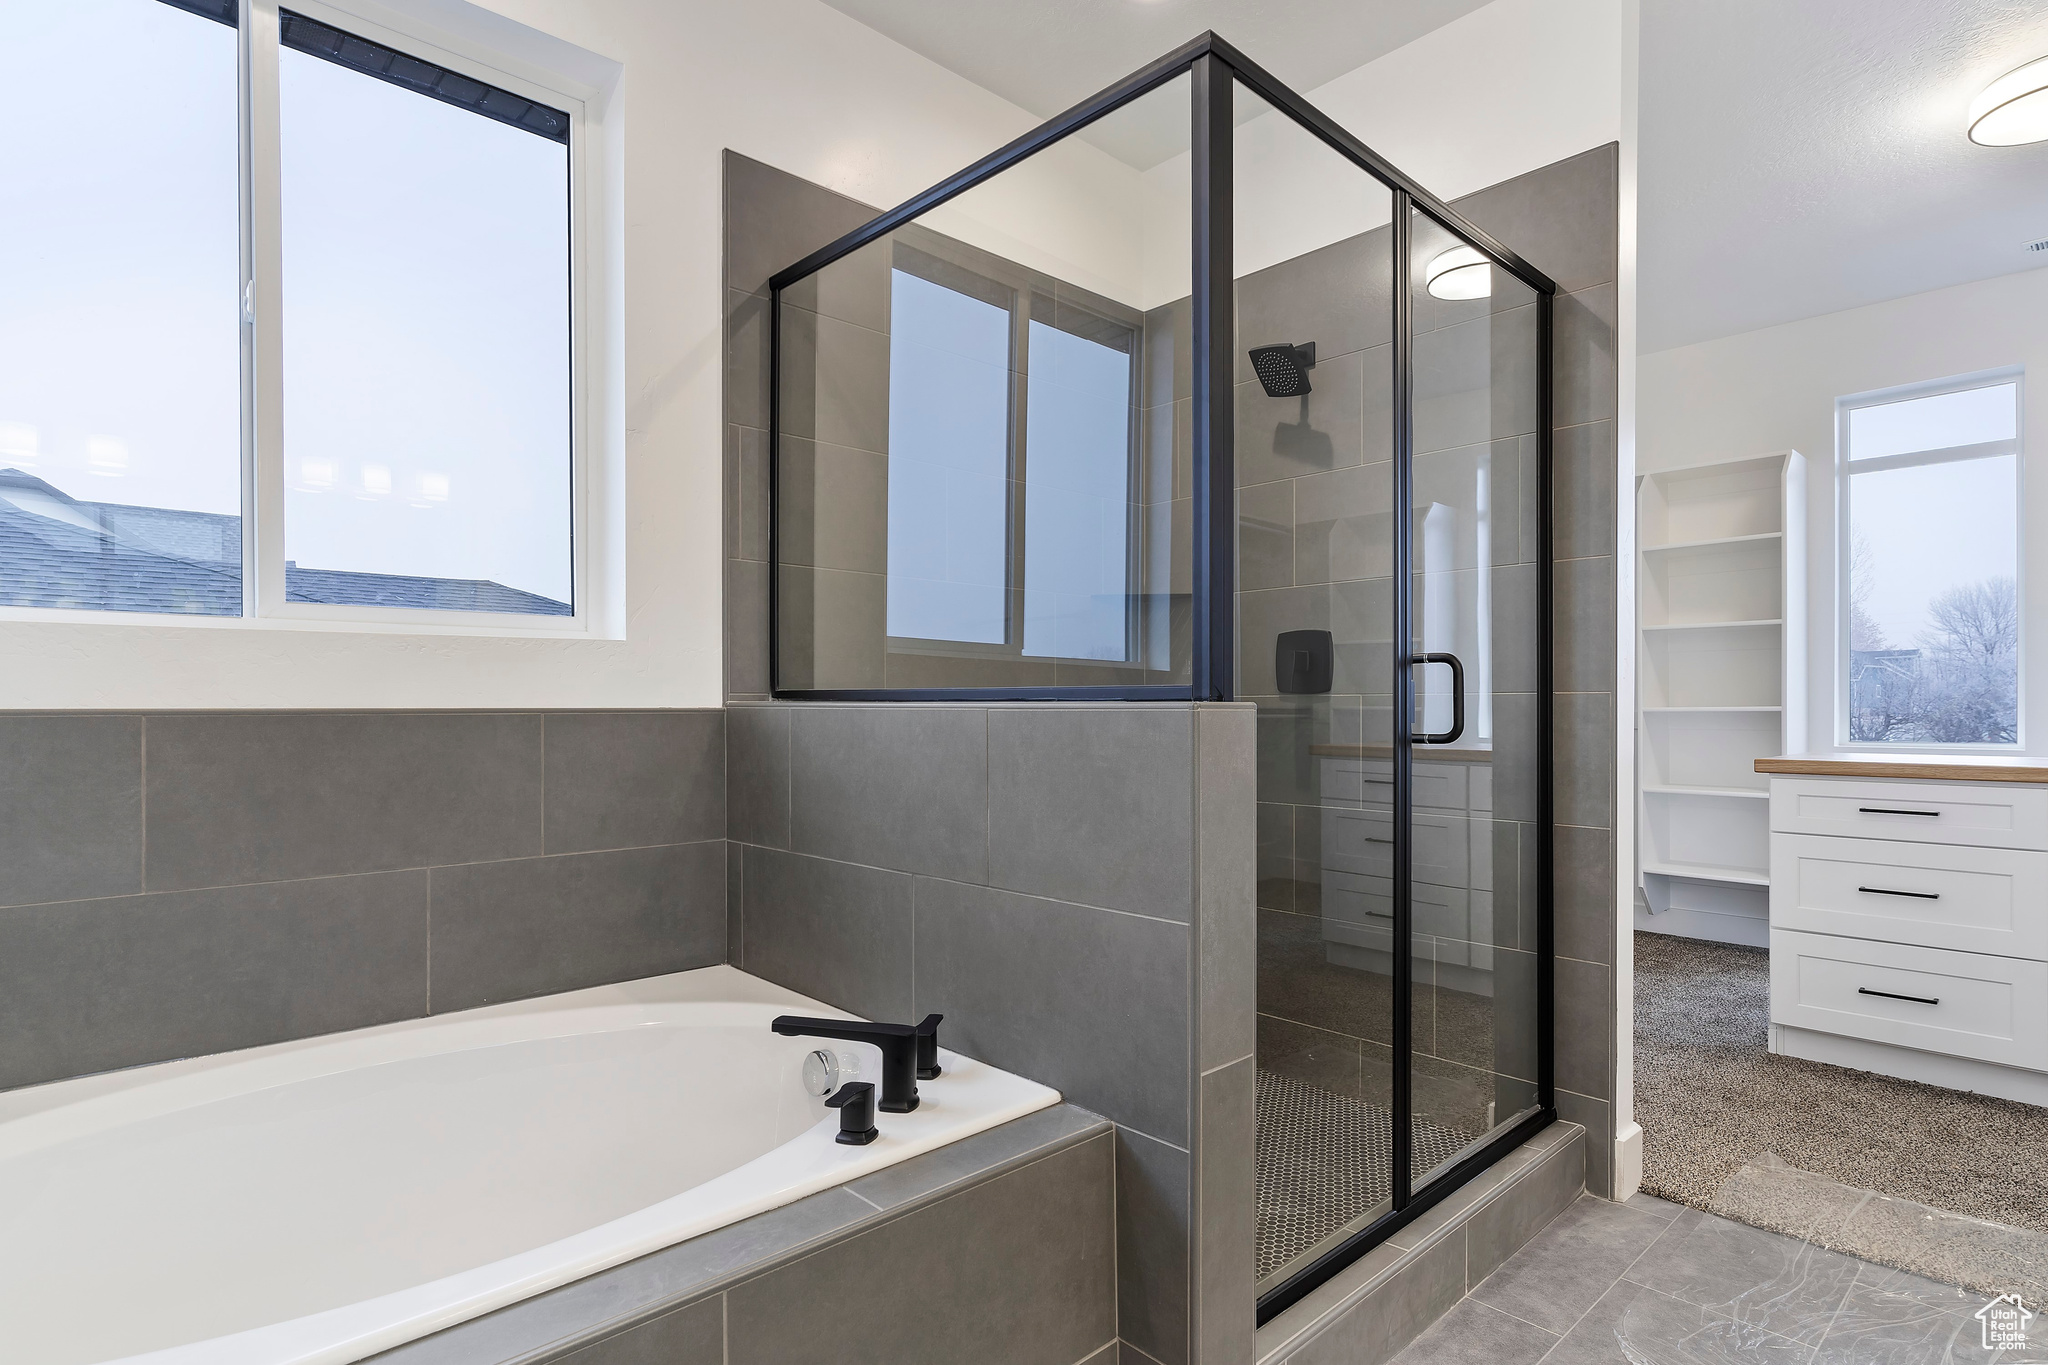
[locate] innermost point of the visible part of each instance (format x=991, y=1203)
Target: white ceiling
x=1048, y=55
x=1798, y=157
x=1802, y=158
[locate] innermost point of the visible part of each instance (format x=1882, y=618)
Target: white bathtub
x=323, y=1200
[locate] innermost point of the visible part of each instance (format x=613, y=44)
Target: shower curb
x=1374, y=1307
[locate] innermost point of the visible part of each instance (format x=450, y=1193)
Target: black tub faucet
x=855, y=1102
x=910, y=1052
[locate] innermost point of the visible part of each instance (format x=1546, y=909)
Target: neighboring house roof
x=400, y=590
x=167, y=560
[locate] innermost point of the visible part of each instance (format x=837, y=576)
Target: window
x=120, y=300
x=1077, y=511
x=336, y=381
x=949, y=462
x=1010, y=524
x=1930, y=564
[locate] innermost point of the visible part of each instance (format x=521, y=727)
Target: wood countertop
x=1424, y=753
x=1918, y=767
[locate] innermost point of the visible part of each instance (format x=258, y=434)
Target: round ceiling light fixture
x=1460, y=273
x=2013, y=109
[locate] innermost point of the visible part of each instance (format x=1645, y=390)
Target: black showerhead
x=1283, y=370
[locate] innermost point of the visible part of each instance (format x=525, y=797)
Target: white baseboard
x=1747, y=930
x=1952, y=1073
x=1628, y=1161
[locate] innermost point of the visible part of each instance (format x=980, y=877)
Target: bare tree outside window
x=1931, y=603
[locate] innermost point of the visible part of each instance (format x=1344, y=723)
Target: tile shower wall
x=772, y=219
x=1069, y=884
x=187, y=883
x=1562, y=218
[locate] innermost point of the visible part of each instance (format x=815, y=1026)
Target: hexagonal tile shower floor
x=1323, y=1160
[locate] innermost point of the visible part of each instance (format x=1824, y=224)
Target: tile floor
x=1651, y=1283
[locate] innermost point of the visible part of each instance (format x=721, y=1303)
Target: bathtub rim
x=718, y=985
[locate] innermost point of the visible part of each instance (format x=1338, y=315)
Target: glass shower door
x=1477, y=633
x=1316, y=492
x=1389, y=469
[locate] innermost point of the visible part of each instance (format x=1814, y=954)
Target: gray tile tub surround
x=1028, y=871
x=1372, y=1309
x=200, y=882
x=1071, y=884
x=995, y=1248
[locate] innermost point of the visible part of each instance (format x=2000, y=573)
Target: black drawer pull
x=1892, y=995
x=1887, y=891
x=1888, y=810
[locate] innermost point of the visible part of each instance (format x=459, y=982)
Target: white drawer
x=1370, y=781
x=1977, y=900
x=1983, y=814
x=1362, y=841
x=1961, y=1004
x=1355, y=899
x=1360, y=910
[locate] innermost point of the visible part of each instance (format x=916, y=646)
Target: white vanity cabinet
x=1909, y=918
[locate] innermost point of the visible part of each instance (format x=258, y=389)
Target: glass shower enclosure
x=1189, y=395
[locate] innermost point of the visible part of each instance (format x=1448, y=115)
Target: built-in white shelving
x=1740, y=793
x=1721, y=669
x=1745, y=876
x=1712, y=625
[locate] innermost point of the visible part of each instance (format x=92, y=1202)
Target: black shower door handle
x=1457, y=668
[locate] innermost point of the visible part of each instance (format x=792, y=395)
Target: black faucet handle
x=855, y=1102
x=898, y=1042
x=928, y=1047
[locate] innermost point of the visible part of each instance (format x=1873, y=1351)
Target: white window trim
x=1844, y=469
x=464, y=38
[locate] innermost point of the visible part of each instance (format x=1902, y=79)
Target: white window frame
x=1845, y=469
x=472, y=41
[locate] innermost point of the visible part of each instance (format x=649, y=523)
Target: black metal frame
x=1215, y=67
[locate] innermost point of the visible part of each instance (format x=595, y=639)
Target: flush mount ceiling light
x=1460, y=273
x=2013, y=109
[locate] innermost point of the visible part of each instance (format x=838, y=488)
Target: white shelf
x=1706, y=872
x=1710, y=711
x=1717, y=625
x=1721, y=655
x=1746, y=793
x=1757, y=539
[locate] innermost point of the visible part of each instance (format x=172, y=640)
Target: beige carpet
x=1712, y=1101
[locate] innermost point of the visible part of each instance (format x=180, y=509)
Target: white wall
x=789, y=82
x=1512, y=86
x=1507, y=88
x=1775, y=389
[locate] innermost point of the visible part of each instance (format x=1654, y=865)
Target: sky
x=425, y=298
x=1930, y=528
x=1933, y=527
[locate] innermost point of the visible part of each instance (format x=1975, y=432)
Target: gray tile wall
x=183, y=883
x=772, y=219
x=1564, y=219
x=1070, y=885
